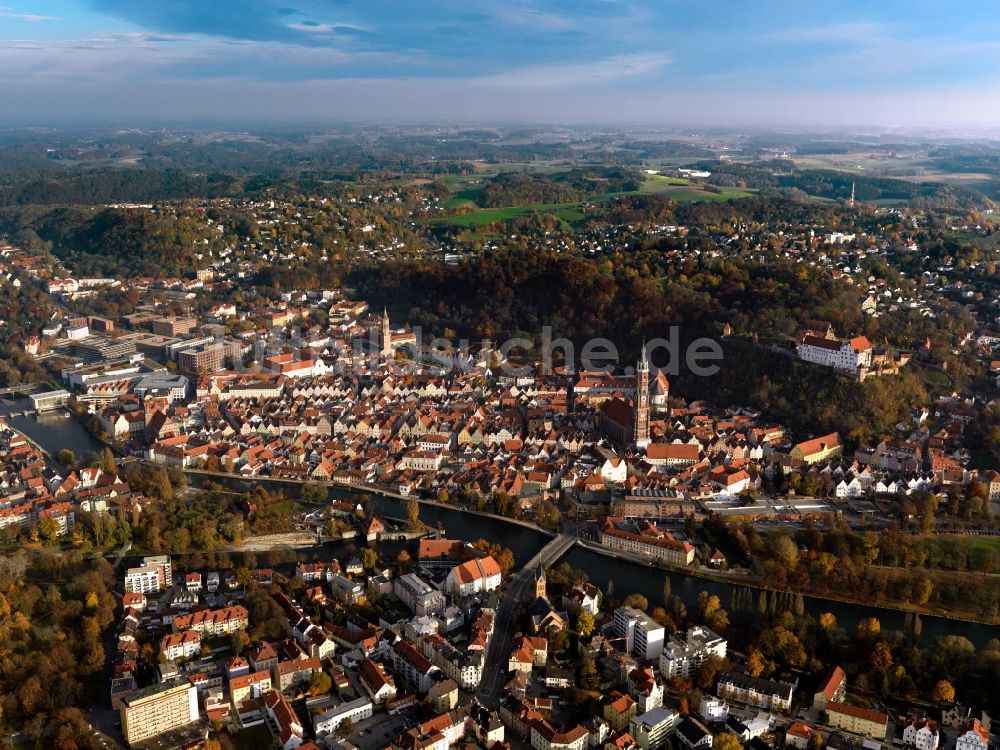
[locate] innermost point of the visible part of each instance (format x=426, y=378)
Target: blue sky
x=668, y=62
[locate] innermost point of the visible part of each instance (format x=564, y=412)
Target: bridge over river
x=519, y=585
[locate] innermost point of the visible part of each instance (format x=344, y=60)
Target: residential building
x=818, y=449
x=797, y=735
x=833, y=689
x=413, y=666
x=651, y=729
x=142, y=580
x=155, y=574
x=643, y=635
x=158, y=708
x=214, y=622
x=418, y=595
x=712, y=709
x=180, y=645
x=619, y=711
x=545, y=736
x=857, y=720
x=972, y=736
x=355, y=711
x=289, y=727
x=649, y=542
x=921, y=734
x=692, y=734
x=253, y=685
x=583, y=597
x=377, y=682
x=685, y=652
x=755, y=691
x=473, y=576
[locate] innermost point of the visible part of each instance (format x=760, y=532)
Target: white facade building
x=643, y=635
x=685, y=652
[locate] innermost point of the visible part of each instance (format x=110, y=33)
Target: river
x=633, y=578
x=53, y=430
x=58, y=430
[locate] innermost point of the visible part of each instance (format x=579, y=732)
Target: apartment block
x=159, y=708
x=643, y=635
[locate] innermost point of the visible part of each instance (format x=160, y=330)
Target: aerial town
x=524, y=375
x=321, y=609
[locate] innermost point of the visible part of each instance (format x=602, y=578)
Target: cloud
x=839, y=33
x=314, y=27
x=29, y=17
x=567, y=75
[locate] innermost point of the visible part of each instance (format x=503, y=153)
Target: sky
x=889, y=64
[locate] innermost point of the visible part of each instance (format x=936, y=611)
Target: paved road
x=519, y=586
x=121, y=556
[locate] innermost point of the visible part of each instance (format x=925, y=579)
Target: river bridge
x=19, y=390
x=519, y=586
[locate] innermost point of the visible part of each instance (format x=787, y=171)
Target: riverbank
x=704, y=574
x=757, y=585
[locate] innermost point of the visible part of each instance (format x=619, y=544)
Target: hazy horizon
x=592, y=62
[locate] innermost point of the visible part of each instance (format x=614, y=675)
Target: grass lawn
x=978, y=543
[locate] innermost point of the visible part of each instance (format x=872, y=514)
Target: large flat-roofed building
x=158, y=709
x=173, y=384
x=652, y=729
x=142, y=580
x=155, y=574
x=207, y=357
x=685, y=652
x=643, y=635
x=50, y=400
x=103, y=349
x=173, y=326
x=418, y=595
x=151, y=344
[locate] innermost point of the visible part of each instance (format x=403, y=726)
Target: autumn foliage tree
x=943, y=692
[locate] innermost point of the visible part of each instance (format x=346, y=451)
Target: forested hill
x=118, y=186
x=518, y=189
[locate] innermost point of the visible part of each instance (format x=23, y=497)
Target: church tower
x=570, y=388
x=850, y=201
x=640, y=426
x=385, y=337
x=540, y=588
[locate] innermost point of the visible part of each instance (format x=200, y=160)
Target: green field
x=571, y=212
x=466, y=197
x=466, y=191
x=653, y=178
x=977, y=543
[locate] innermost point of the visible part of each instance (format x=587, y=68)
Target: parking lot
x=378, y=731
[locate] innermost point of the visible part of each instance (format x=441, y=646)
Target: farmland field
x=467, y=189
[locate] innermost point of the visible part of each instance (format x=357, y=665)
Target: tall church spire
x=386, y=334
x=640, y=422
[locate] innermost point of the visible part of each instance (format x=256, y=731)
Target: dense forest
x=54, y=609
x=781, y=177
x=519, y=189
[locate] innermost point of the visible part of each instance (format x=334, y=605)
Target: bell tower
x=540, y=587
x=385, y=337
x=640, y=426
